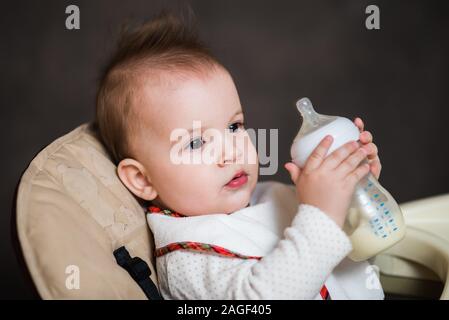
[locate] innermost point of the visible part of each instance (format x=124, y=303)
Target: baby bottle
x=374, y=221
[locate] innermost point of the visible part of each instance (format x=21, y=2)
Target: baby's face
x=189, y=172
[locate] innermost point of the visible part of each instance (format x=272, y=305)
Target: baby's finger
x=366, y=137
x=375, y=167
x=371, y=150
x=359, y=123
x=351, y=162
x=293, y=170
x=355, y=176
x=318, y=155
x=337, y=156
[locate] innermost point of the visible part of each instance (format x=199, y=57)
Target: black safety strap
x=139, y=271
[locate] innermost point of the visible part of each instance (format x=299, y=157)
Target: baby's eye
x=237, y=125
x=196, y=143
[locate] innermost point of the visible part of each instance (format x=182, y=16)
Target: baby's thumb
x=293, y=170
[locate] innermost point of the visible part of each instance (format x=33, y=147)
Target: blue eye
x=196, y=143
x=237, y=125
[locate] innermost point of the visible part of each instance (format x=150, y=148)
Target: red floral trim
x=325, y=293
x=167, y=212
x=203, y=247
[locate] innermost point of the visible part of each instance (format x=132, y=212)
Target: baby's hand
x=366, y=140
x=329, y=182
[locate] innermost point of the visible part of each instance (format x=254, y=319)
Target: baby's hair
x=166, y=43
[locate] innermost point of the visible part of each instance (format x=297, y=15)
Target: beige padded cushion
x=72, y=209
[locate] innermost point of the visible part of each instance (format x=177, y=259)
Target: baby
x=219, y=234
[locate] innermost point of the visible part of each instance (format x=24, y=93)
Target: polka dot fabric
x=296, y=269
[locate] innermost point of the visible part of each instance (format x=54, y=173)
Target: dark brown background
x=395, y=78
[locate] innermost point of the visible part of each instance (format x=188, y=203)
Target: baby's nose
x=231, y=153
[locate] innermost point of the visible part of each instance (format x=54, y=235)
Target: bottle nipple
x=310, y=117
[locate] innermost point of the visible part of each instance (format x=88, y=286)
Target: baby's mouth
x=239, y=179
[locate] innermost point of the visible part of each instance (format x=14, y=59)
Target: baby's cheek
x=195, y=177
x=251, y=154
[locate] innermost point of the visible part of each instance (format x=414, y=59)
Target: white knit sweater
x=302, y=249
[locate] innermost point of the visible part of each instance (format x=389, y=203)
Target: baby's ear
x=133, y=175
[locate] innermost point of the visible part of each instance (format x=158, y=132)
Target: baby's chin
x=236, y=207
x=237, y=200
